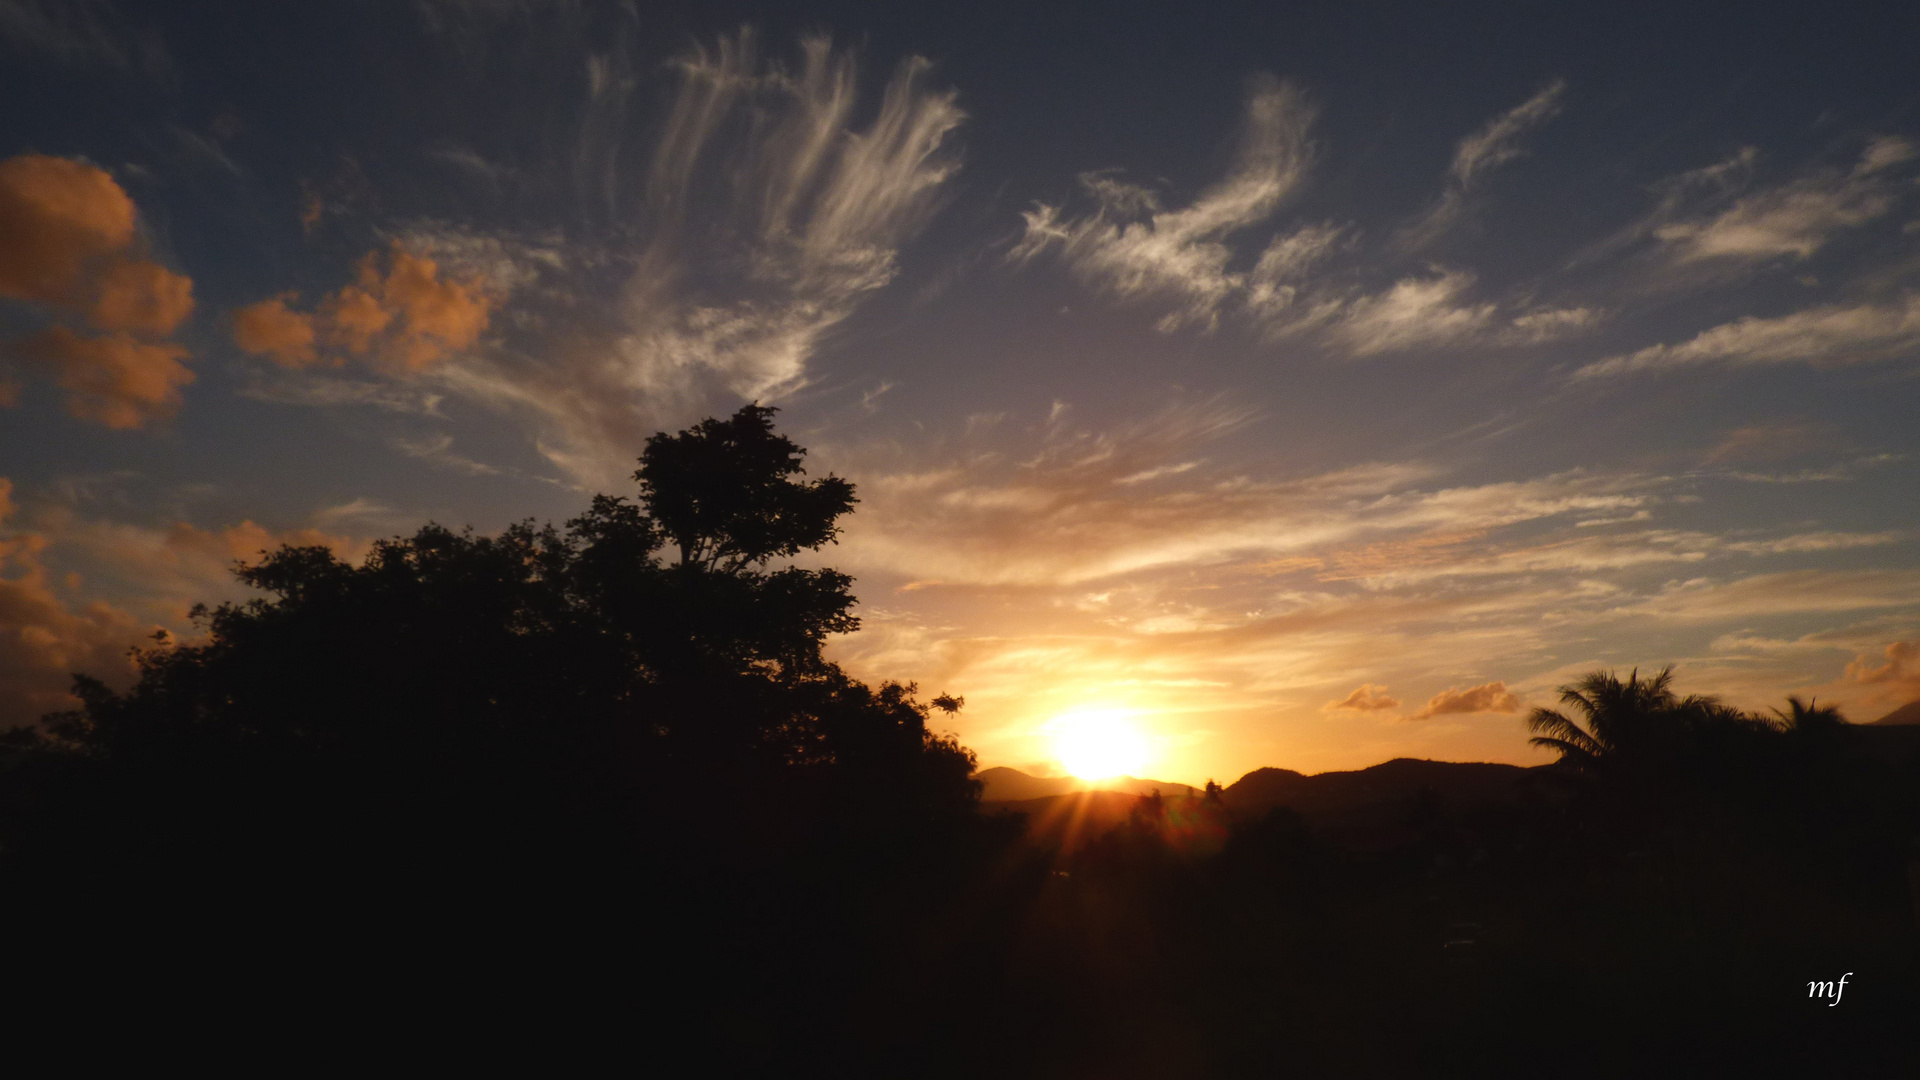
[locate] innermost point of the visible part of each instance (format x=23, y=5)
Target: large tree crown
x=724, y=492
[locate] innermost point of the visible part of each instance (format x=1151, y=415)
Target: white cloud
x=1274, y=281
x=1414, y=312
x=1134, y=250
x=438, y=449
x=1552, y=324
x=1832, y=334
x=1480, y=153
x=1794, y=219
x=1498, y=142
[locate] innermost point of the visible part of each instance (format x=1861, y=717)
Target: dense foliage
x=547, y=731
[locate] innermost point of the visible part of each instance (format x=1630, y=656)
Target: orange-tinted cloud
x=1487, y=697
x=247, y=540
x=141, y=296
x=42, y=643
x=1765, y=443
x=270, y=328
x=1899, y=674
x=67, y=241
x=441, y=316
x=117, y=380
x=57, y=218
x=47, y=632
x=1368, y=698
x=403, y=319
x=355, y=317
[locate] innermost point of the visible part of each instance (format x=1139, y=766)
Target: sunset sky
x=1309, y=385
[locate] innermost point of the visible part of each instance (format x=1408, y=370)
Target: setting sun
x=1095, y=744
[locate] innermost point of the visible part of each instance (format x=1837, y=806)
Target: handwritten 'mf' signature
x=1827, y=989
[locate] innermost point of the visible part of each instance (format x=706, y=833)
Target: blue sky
x=1314, y=387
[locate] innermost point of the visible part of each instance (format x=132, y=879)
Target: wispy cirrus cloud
x=716, y=247
x=1413, y=312
x=1080, y=506
x=1131, y=248
x=766, y=215
x=1796, y=218
x=1788, y=592
x=1713, y=223
x=1776, y=441
x=1185, y=259
x=1478, y=155
x=1831, y=334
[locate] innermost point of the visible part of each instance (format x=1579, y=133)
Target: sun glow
x=1094, y=744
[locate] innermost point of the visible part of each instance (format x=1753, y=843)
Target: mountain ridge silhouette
x=1003, y=784
x=1900, y=717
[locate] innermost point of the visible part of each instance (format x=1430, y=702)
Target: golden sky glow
x=1270, y=399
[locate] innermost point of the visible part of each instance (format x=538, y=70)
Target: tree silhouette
x=722, y=491
x=544, y=684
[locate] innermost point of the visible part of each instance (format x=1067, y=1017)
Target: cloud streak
x=1131, y=249
x=1833, y=334
x=1795, y=219
x=1479, y=154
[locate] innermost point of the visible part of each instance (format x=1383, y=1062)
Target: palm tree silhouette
x=1632, y=724
x=1620, y=717
x=1808, y=717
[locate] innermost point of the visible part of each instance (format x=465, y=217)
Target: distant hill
x=1366, y=807
x=1335, y=793
x=1011, y=785
x=1905, y=714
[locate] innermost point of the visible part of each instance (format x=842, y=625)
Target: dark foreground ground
x=1416, y=919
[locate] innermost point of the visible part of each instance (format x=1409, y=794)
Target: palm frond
x=1570, y=754
x=1561, y=729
